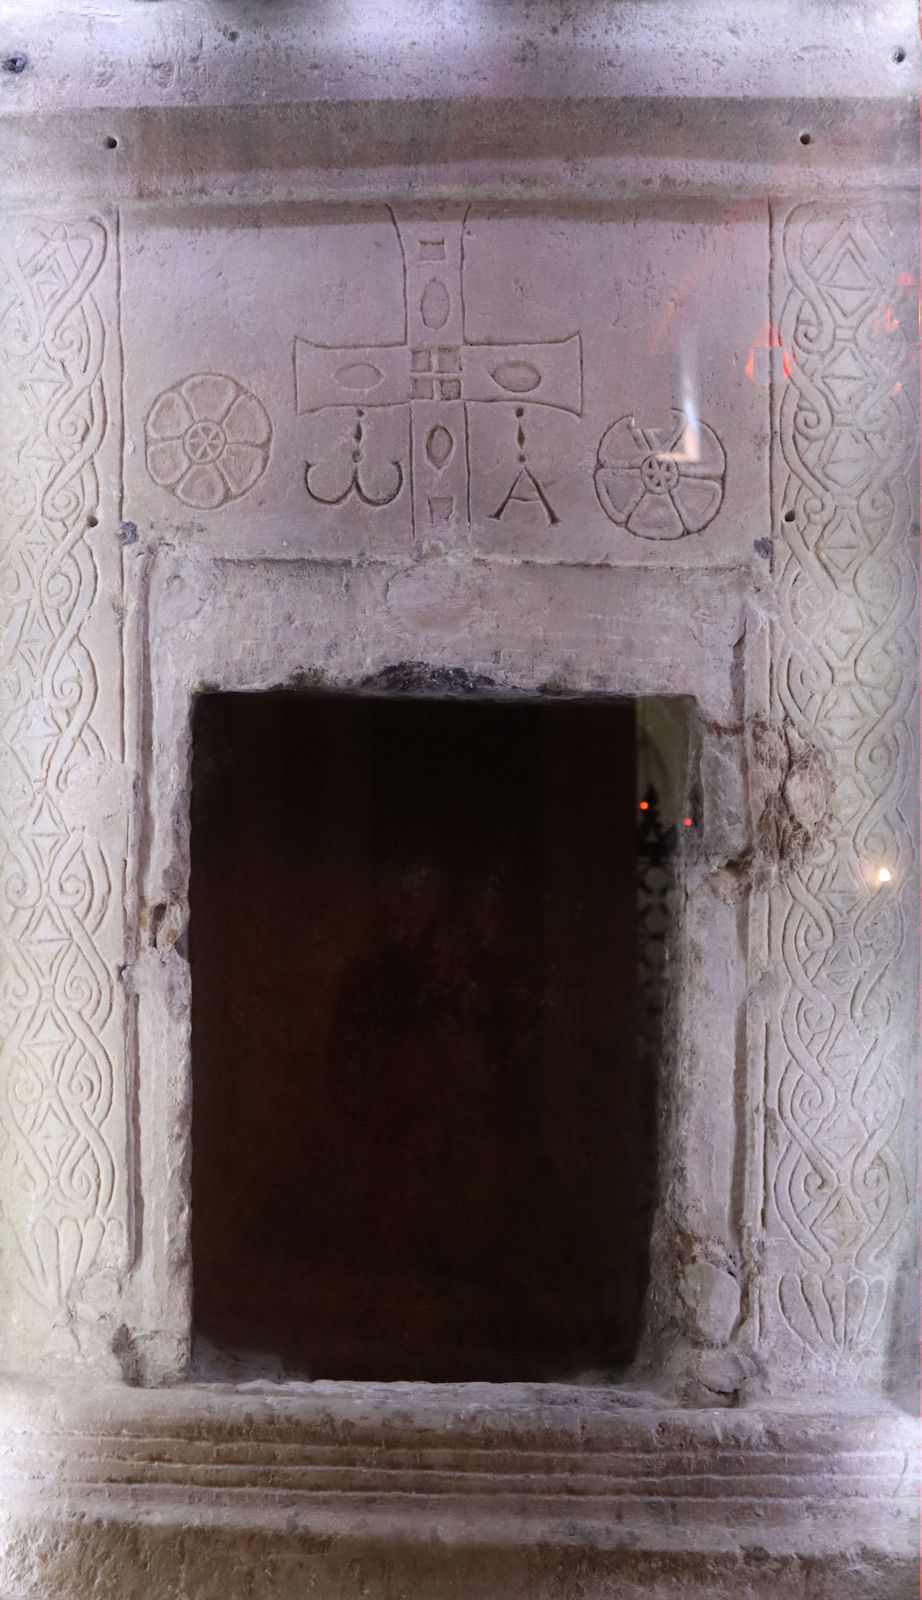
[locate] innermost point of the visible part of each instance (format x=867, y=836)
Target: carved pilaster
x=836, y=951
x=63, y=1091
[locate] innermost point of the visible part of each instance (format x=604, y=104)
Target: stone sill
x=499, y=1463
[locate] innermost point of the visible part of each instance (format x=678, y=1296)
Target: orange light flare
x=885, y=321
x=688, y=822
x=761, y=367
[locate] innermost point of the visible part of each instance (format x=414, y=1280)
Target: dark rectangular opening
x=422, y=1121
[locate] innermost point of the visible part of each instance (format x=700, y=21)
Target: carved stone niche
x=537, y=349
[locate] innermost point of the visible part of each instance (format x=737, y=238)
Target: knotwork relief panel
x=63, y=1150
x=840, y=934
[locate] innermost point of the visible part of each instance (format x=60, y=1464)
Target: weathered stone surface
x=564, y=349
x=434, y=1489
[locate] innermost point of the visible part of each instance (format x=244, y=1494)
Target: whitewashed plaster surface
x=573, y=348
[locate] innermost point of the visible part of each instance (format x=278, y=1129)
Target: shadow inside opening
x=423, y=1093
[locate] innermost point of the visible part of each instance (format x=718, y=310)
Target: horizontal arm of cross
x=547, y=374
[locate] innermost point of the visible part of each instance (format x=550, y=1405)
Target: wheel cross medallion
x=434, y=373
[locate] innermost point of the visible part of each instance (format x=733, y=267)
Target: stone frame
x=201, y=605
x=805, y=1304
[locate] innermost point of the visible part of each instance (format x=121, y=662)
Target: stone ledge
x=492, y=1462
x=548, y=151
x=372, y=1492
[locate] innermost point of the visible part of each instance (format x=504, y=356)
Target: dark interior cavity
x=422, y=1126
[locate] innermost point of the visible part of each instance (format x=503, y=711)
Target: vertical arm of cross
x=437, y=373
x=432, y=246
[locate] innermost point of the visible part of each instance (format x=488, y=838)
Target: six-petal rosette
x=207, y=440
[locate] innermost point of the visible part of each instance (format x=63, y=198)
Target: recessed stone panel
x=381, y=381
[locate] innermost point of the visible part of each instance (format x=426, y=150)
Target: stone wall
x=571, y=350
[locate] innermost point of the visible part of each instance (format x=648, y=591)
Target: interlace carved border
x=62, y=1123
x=842, y=689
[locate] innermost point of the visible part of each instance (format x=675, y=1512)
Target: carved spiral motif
x=207, y=440
x=660, y=483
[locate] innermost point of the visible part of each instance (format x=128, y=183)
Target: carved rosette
x=207, y=440
x=840, y=1052
x=660, y=483
x=62, y=1122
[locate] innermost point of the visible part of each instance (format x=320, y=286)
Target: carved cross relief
x=432, y=376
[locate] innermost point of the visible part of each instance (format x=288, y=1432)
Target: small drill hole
x=111, y=143
x=92, y=522
x=806, y=138
x=789, y=516
x=898, y=54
